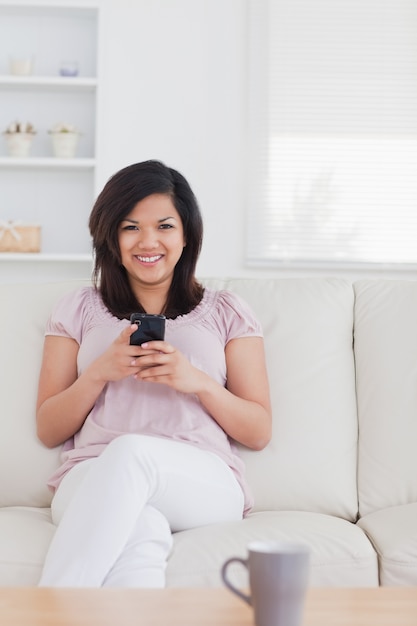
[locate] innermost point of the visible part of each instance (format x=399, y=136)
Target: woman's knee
x=123, y=444
x=129, y=455
x=148, y=451
x=123, y=450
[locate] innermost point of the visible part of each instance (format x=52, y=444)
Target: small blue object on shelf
x=69, y=68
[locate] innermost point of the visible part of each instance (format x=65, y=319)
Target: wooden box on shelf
x=19, y=237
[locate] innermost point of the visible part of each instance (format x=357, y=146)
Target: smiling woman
x=119, y=214
x=151, y=242
x=149, y=431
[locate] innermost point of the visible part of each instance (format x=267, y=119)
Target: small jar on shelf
x=65, y=139
x=21, y=65
x=19, y=137
x=68, y=68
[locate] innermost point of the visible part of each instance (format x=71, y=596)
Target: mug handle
x=228, y=584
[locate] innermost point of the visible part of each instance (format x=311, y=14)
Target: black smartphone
x=151, y=328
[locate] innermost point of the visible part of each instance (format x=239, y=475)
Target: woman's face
x=151, y=241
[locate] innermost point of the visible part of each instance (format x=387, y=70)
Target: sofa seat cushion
x=25, y=534
x=393, y=532
x=341, y=554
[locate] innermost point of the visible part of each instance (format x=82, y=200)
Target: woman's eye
x=165, y=226
x=130, y=227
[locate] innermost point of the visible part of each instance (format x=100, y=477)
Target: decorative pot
x=21, y=66
x=19, y=144
x=64, y=145
x=69, y=68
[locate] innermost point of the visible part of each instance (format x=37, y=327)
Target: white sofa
x=340, y=472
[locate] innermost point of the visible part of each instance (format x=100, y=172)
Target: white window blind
x=332, y=170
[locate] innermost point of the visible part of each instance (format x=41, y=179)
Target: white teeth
x=149, y=259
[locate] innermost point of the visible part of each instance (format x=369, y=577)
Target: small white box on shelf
x=21, y=66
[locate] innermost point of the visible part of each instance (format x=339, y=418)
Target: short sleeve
x=236, y=317
x=68, y=317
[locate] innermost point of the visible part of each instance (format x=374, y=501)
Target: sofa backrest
x=25, y=464
x=386, y=365
x=310, y=463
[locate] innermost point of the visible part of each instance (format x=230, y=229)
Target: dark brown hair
x=118, y=198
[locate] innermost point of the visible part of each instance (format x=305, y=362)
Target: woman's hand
x=64, y=397
x=119, y=360
x=160, y=362
x=242, y=408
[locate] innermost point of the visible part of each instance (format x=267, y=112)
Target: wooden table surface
x=198, y=607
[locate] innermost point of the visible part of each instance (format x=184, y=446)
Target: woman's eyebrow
x=163, y=219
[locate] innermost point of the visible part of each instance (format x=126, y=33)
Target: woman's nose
x=148, y=239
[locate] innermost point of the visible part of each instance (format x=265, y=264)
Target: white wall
x=173, y=87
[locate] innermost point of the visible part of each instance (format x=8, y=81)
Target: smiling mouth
x=149, y=259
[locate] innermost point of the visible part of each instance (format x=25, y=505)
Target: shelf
x=48, y=8
x=49, y=82
x=47, y=162
x=45, y=257
x=41, y=188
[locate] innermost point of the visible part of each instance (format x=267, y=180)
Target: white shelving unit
x=27, y=83
x=64, y=258
x=47, y=162
x=42, y=189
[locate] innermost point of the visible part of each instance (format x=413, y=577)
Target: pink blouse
x=134, y=406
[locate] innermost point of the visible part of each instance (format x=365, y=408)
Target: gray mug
x=278, y=579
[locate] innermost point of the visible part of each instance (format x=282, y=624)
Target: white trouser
x=115, y=513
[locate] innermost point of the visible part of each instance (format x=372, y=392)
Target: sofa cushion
x=25, y=534
x=25, y=464
x=341, y=554
x=393, y=532
x=310, y=463
x=386, y=364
